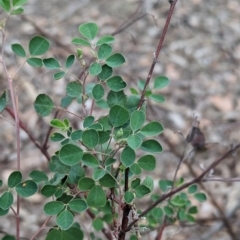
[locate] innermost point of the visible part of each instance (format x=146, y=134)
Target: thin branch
x=41, y=228
x=216, y=179
x=156, y=54
x=195, y=180
x=24, y=128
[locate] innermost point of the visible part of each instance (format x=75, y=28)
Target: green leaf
x=165, y=185
x=148, y=182
x=168, y=211
x=56, y=137
x=3, y=212
x=90, y=138
x=160, y=82
x=110, y=161
x=88, y=121
x=69, y=61
x=190, y=218
x=65, y=219
x=118, y=115
x=132, y=103
x=107, y=181
x=48, y=190
x=17, y=11
x=98, y=92
x=73, y=233
x=157, y=212
x=54, y=234
x=3, y=100
x=51, y=63
x=104, y=51
x=88, y=30
x=152, y=129
x=19, y=50
x=6, y=5
x=105, y=73
x=134, y=91
x=157, y=98
x=134, y=141
x=53, y=208
x=127, y=156
x=43, y=105
x=96, y=197
x=137, y=119
x=116, y=98
x=95, y=69
x=66, y=101
x=75, y=174
x=147, y=162
x=74, y=89
x=78, y=205
x=70, y=154
x=201, y=197
x=58, y=124
x=115, y=60
x=89, y=160
x=85, y=183
x=38, y=176
x=97, y=224
x=135, y=183
x=98, y=173
x=135, y=169
x=81, y=42
x=193, y=210
x=38, y=45
x=141, y=191
x=116, y=83
x=76, y=135
x=181, y=215
x=192, y=189
x=35, y=62
x=177, y=201
x=1, y=182
x=6, y=200
x=14, y=179
x=19, y=2
x=151, y=146
x=27, y=188
x=58, y=75
x=128, y=197
x=8, y=237
x=105, y=39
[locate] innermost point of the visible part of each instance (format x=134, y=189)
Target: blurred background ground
x=201, y=57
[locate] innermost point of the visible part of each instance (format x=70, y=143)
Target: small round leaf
x=147, y=162
x=19, y=50
x=6, y=200
x=118, y=115
x=96, y=197
x=127, y=156
x=116, y=83
x=53, y=208
x=14, y=179
x=65, y=219
x=95, y=69
x=115, y=60
x=38, y=45
x=78, y=205
x=104, y=51
x=27, y=188
x=90, y=138
x=43, y=105
x=98, y=92
x=160, y=82
x=88, y=30
x=74, y=89
x=151, y=146
x=152, y=129
x=51, y=63
x=137, y=119
x=70, y=154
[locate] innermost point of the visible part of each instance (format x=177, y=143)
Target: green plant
x=98, y=168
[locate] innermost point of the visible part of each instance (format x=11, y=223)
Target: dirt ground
x=201, y=57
